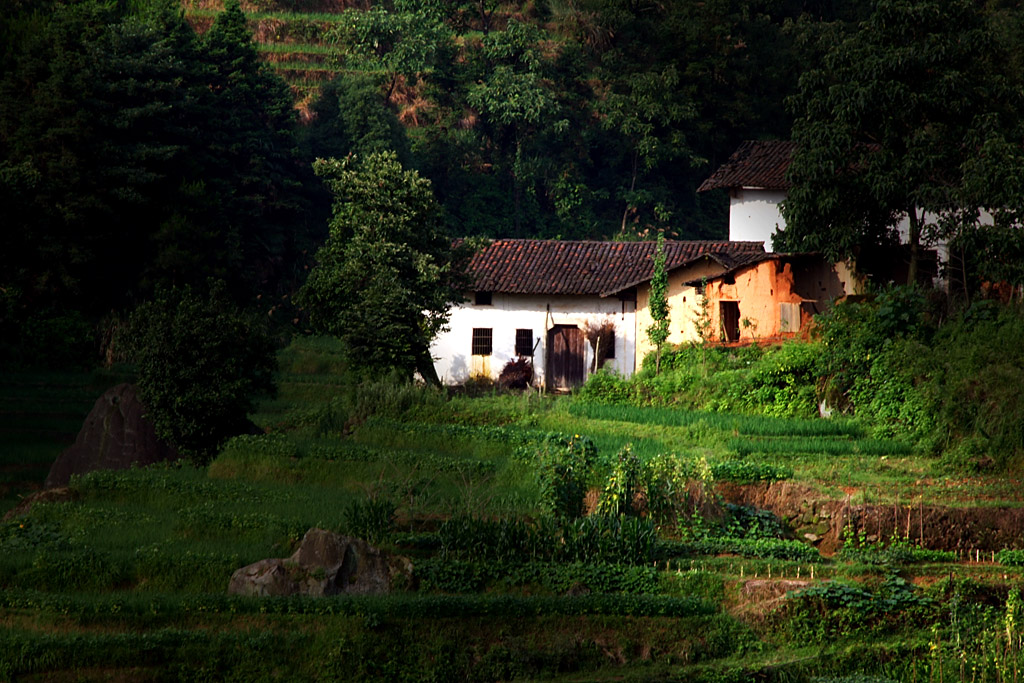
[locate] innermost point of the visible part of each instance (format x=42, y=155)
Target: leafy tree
x=350, y=116
x=201, y=364
x=647, y=110
x=385, y=278
x=254, y=180
x=887, y=126
x=658, y=331
x=405, y=42
x=517, y=106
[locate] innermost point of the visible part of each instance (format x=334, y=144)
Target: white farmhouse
x=537, y=299
x=755, y=176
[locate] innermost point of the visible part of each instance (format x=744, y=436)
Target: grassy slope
x=129, y=581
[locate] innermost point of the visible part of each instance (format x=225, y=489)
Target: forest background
x=136, y=152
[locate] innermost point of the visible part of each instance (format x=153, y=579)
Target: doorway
x=565, y=358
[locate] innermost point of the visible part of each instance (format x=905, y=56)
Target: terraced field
x=126, y=576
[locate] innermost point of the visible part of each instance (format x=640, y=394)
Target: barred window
x=524, y=342
x=482, y=299
x=482, y=341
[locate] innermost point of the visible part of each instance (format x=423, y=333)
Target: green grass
x=747, y=425
x=306, y=68
x=298, y=48
x=129, y=580
x=817, y=446
x=318, y=17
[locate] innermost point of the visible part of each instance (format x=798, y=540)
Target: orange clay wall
x=759, y=290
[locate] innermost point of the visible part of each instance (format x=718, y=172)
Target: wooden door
x=730, y=311
x=565, y=357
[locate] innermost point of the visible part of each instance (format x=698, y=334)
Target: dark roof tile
x=515, y=266
x=757, y=163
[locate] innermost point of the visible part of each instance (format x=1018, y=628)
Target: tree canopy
x=893, y=126
x=384, y=280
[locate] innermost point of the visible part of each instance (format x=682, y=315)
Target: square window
x=524, y=342
x=483, y=299
x=482, y=341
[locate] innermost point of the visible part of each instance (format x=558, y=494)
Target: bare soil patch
x=823, y=520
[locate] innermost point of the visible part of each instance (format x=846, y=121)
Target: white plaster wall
x=754, y=215
x=508, y=312
x=941, y=247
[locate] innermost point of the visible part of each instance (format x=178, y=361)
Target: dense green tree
x=646, y=110
x=890, y=126
x=148, y=156
x=201, y=364
x=385, y=279
x=518, y=107
x=351, y=116
x=251, y=148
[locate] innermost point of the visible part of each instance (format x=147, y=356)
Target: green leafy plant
x=372, y=519
x=201, y=363
x=563, y=467
x=622, y=485
x=658, y=330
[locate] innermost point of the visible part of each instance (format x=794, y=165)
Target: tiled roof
x=756, y=163
x=584, y=267
x=747, y=260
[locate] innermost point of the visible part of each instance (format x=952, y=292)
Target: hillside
x=767, y=548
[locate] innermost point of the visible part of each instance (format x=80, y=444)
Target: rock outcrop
x=325, y=563
x=116, y=435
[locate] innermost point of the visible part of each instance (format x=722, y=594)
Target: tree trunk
x=632, y=186
x=914, y=241
x=425, y=366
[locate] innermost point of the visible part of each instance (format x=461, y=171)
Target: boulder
x=325, y=563
x=116, y=435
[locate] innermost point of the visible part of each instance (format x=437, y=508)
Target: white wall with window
x=517, y=325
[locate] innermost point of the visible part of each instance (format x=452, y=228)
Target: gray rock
x=325, y=563
x=116, y=435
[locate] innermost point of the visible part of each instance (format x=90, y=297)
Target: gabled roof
x=516, y=266
x=757, y=163
x=748, y=260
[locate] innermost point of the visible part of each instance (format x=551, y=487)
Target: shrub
x=853, y=334
x=1010, y=558
x=973, y=389
x=604, y=386
x=563, y=468
x=201, y=365
x=781, y=384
